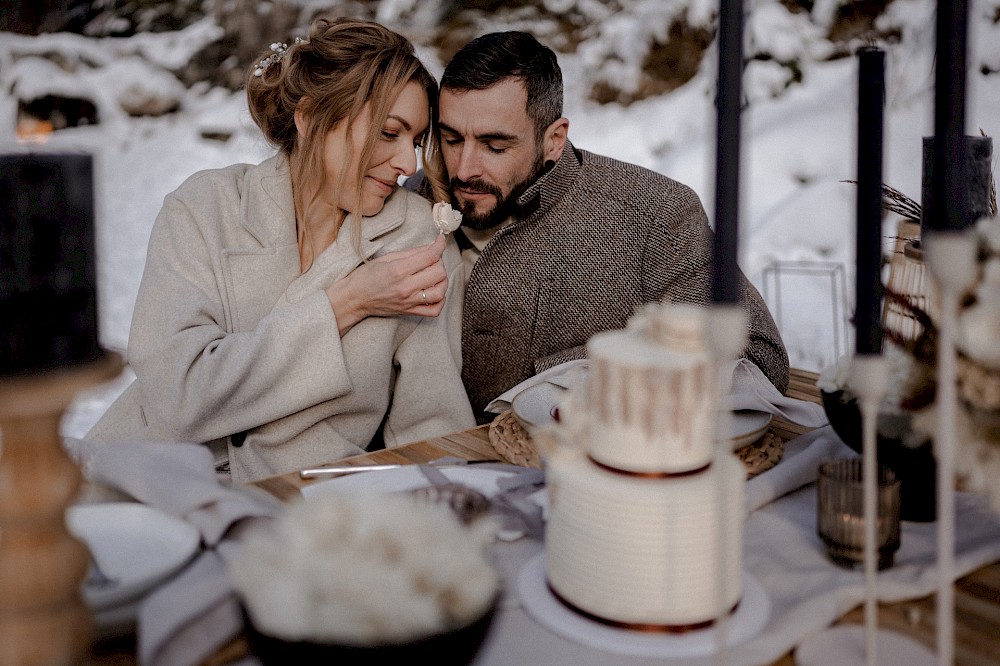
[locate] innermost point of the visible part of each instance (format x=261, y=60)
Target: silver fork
x=467, y=503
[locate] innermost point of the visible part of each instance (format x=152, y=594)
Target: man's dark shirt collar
x=551, y=185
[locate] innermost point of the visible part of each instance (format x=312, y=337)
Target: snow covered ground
x=797, y=220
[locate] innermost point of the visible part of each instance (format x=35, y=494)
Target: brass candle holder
x=43, y=619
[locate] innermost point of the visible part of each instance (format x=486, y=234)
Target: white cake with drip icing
x=650, y=386
x=637, y=491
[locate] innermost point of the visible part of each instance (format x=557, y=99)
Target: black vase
x=914, y=466
x=455, y=647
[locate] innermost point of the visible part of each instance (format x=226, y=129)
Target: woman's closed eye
x=393, y=135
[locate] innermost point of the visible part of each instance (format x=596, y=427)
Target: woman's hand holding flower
x=408, y=282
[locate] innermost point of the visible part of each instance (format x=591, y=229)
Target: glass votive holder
x=841, y=513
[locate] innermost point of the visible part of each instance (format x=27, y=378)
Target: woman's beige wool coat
x=234, y=347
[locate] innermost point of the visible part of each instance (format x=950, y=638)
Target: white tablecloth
x=781, y=552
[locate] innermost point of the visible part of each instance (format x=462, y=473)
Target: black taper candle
x=868, y=238
x=48, y=290
x=725, y=264
x=949, y=185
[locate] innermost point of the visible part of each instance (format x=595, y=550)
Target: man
x=560, y=243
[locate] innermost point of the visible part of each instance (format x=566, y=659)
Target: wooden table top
x=977, y=595
x=472, y=444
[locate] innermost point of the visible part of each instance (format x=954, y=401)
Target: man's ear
x=555, y=139
x=301, y=117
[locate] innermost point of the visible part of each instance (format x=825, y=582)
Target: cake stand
x=749, y=619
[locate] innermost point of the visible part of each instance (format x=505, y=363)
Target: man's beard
x=504, y=206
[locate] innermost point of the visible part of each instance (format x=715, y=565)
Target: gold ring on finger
x=423, y=295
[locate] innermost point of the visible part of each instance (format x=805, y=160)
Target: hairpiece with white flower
x=278, y=50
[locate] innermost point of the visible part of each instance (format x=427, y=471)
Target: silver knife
x=332, y=470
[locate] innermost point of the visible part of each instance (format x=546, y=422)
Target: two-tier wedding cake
x=645, y=513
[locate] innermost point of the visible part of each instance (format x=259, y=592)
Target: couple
x=306, y=309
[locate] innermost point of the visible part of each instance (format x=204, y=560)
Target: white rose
x=446, y=219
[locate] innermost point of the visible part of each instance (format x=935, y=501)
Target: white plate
x=535, y=407
x=134, y=544
x=845, y=646
x=746, y=426
x=409, y=477
x=750, y=618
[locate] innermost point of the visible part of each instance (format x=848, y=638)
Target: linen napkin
x=750, y=389
x=566, y=375
x=188, y=618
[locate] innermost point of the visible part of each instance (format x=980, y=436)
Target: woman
x=304, y=309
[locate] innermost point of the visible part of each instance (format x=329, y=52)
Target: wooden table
x=977, y=595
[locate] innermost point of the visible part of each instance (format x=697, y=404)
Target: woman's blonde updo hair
x=343, y=65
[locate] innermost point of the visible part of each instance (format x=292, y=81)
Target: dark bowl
x=913, y=465
x=457, y=647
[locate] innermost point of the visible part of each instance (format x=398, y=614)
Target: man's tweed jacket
x=592, y=240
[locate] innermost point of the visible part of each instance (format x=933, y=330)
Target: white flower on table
x=900, y=368
x=365, y=569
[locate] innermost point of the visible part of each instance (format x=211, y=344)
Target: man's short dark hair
x=498, y=56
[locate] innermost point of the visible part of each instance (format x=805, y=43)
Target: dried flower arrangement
x=978, y=358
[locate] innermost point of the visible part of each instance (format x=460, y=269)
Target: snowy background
x=797, y=220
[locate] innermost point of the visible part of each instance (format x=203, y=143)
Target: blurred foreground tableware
x=366, y=577
x=840, y=513
x=137, y=547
